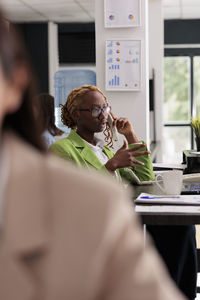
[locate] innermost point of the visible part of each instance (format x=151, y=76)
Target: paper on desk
x=169, y=166
x=151, y=199
x=167, y=209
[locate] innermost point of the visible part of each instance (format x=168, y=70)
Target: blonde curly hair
x=72, y=104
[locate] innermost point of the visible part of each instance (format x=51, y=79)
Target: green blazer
x=75, y=149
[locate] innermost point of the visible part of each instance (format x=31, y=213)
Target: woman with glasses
x=86, y=113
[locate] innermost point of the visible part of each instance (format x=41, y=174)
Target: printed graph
x=123, y=65
x=114, y=81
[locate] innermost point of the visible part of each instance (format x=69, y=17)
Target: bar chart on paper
x=114, y=81
x=123, y=65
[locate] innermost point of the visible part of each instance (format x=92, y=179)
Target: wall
x=133, y=105
x=156, y=37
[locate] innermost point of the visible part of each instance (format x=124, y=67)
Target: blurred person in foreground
x=58, y=241
x=47, y=115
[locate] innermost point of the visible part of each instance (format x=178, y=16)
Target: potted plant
x=195, y=124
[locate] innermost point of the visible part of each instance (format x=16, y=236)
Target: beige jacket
x=72, y=235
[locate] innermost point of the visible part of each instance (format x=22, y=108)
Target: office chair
x=64, y=82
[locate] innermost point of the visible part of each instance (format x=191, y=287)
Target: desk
x=164, y=218
x=176, y=244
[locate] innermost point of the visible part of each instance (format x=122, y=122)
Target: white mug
x=172, y=182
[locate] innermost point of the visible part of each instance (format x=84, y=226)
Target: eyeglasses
x=96, y=111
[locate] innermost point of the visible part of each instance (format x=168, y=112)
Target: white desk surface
x=164, y=214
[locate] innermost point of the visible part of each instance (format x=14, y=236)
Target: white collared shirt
x=99, y=152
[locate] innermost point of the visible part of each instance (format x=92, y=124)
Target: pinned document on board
x=126, y=13
x=123, y=65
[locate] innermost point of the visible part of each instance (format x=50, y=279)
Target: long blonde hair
x=72, y=104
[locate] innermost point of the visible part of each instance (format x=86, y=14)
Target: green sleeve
x=60, y=151
x=145, y=172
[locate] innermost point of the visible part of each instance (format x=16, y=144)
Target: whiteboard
x=122, y=13
x=123, y=65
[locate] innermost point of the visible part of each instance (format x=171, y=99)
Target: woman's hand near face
x=124, y=127
x=125, y=157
